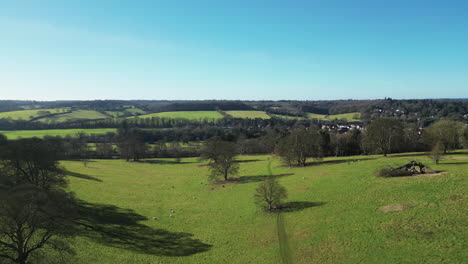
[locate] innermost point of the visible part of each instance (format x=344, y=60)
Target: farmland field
x=348, y=116
x=74, y=116
x=15, y=134
x=27, y=114
x=334, y=212
x=191, y=115
x=248, y=114
x=131, y=111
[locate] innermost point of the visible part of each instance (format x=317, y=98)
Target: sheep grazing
x=154, y=218
x=171, y=215
x=172, y=211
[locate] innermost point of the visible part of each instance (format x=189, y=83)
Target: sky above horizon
x=249, y=50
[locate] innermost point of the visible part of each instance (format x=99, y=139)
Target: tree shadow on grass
x=298, y=206
x=120, y=228
x=81, y=160
x=324, y=162
x=402, y=155
x=81, y=176
x=397, y=155
x=250, y=160
x=453, y=163
x=164, y=162
x=259, y=178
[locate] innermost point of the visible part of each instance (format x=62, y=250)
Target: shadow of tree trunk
x=120, y=228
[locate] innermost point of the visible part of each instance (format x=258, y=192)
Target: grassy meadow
x=350, y=117
x=15, y=134
x=131, y=111
x=333, y=215
x=248, y=114
x=191, y=115
x=74, y=116
x=29, y=114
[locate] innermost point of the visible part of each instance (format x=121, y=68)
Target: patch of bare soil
x=394, y=208
x=430, y=174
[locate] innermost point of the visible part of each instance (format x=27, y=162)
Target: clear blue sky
x=240, y=49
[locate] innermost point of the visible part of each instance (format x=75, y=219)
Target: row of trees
x=382, y=136
x=386, y=135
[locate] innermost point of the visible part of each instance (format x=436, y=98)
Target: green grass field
x=248, y=114
x=334, y=216
x=27, y=114
x=73, y=116
x=53, y=132
x=191, y=115
x=356, y=116
x=131, y=111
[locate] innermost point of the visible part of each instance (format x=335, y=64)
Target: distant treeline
x=384, y=135
x=162, y=122
x=199, y=106
x=422, y=112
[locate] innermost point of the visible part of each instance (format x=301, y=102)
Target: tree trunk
x=22, y=260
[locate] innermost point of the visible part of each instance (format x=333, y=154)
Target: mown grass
x=15, y=134
x=191, y=115
x=74, y=116
x=28, y=114
x=248, y=114
x=355, y=116
x=333, y=214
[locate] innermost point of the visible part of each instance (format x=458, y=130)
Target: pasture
x=74, y=116
x=248, y=114
x=128, y=111
x=333, y=214
x=29, y=114
x=191, y=115
x=15, y=134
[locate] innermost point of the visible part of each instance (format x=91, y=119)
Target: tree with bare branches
x=221, y=156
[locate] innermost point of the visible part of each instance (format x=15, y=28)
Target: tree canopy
x=221, y=156
x=384, y=135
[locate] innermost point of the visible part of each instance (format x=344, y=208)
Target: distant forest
x=140, y=130
x=423, y=110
